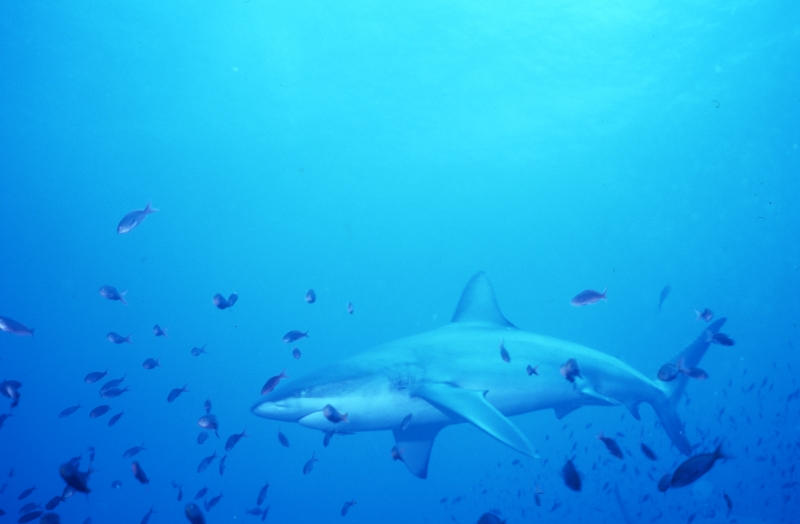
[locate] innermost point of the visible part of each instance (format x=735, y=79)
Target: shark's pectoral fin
x=564, y=410
x=414, y=447
x=473, y=407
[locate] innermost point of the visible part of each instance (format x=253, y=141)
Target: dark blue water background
x=381, y=154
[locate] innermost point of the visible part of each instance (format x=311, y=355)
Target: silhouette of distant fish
x=222, y=303
x=9, y=325
x=588, y=296
x=111, y=293
x=664, y=294
x=116, y=338
x=175, y=393
x=134, y=218
x=311, y=297
x=695, y=467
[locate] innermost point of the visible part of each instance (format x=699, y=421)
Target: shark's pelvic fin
x=473, y=407
x=478, y=303
x=414, y=446
x=564, y=410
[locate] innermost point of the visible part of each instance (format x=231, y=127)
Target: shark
x=417, y=386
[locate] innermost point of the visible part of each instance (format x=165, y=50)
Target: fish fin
x=478, y=303
x=666, y=406
x=414, y=445
x=598, y=399
x=122, y=297
x=563, y=411
x=473, y=407
x=149, y=209
x=633, y=407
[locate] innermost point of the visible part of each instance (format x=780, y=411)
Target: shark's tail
x=666, y=406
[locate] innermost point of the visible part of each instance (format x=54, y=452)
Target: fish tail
x=666, y=405
x=149, y=209
x=603, y=294
x=122, y=297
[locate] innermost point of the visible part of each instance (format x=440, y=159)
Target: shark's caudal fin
x=478, y=303
x=414, y=446
x=665, y=407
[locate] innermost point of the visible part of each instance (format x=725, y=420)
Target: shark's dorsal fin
x=414, y=446
x=478, y=303
x=472, y=406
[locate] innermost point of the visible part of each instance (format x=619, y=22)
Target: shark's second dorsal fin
x=478, y=303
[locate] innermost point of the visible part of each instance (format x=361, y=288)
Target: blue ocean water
x=381, y=154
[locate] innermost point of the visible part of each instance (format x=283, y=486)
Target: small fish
x=53, y=503
x=3, y=418
x=283, y=440
x=111, y=293
x=213, y=502
x=113, y=392
x=695, y=373
x=396, y=454
x=50, y=518
x=194, y=514
x=490, y=518
x=589, y=296
x=94, y=376
x=728, y=502
x=135, y=450
x=273, y=382
x=327, y=439
x=222, y=464
x=76, y=480
x=28, y=517
x=111, y=384
x=115, y=419
x=611, y=445
x=196, y=352
x=706, y=315
x=309, y=465
x=532, y=370
x=116, y=484
x=10, y=389
x=503, y=353
x=206, y=462
x=90, y=449
x=207, y=406
x=264, y=515
x=27, y=508
x=649, y=453
x=262, y=494
x=664, y=482
x=202, y=493
x=116, y=338
x=175, y=393
x=9, y=325
x=570, y=370
x=254, y=511
x=332, y=414
x=347, y=506
x=234, y=439
x=668, y=372
x=134, y=218
x=572, y=478
x=69, y=411
x=294, y=336
x=202, y=437
x=223, y=303
x=157, y=331
x=722, y=339
x=180, y=493
x=695, y=467
x=296, y=353
x=151, y=363
x=139, y=473
x=664, y=294
x=146, y=518
x=311, y=297
x=209, y=422
x=99, y=411
x=350, y=307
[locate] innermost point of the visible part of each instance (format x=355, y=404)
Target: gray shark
x=416, y=386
